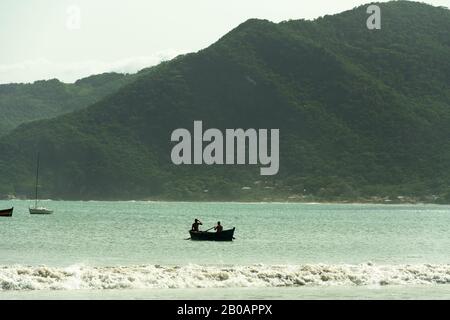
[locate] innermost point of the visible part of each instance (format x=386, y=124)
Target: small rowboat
x=225, y=235
x=6, y=212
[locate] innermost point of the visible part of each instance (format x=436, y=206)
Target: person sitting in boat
x=195, y=225
x=219, y=227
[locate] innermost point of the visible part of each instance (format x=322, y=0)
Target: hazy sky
x=43, y=39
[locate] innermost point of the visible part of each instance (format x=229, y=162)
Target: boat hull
x=225, y=235
x=40, y=211
x=6, y=212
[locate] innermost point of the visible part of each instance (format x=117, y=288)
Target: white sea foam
x=197, y=276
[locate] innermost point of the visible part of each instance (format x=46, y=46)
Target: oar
x=202, y=231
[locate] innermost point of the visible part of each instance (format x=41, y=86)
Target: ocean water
x=138, y=250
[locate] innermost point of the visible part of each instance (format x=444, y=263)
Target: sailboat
x=36, y=209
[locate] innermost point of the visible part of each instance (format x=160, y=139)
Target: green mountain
x=362, y=113
x=20, y=103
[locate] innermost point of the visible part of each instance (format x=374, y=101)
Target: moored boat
x=225, y=235
x=6, y=212
x=40, y=210
x=36, y=209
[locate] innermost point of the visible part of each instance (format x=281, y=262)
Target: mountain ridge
x=42, y=99
x=355, y=121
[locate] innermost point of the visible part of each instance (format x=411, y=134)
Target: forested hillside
x=363, y=114
x=20, y=103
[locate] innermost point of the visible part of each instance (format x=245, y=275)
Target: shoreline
x=316, y=202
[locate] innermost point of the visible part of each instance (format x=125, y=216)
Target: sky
x=71, y=39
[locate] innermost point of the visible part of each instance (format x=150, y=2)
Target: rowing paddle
x=200, y=231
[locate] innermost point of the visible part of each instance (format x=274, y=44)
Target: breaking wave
x=197, y=276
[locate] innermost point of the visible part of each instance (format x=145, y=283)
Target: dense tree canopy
x=20, y=103
x=362, y=113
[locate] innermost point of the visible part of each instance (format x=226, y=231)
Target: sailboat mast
x=37, y=182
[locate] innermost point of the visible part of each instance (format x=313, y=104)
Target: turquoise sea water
x=289, y=251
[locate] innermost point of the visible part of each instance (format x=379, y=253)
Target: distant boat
x=36, y=209
x=225, y=235
x=40, y=210
x=6, y=212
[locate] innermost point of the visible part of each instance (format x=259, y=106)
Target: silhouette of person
x=196, y=224
x=219, y=227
